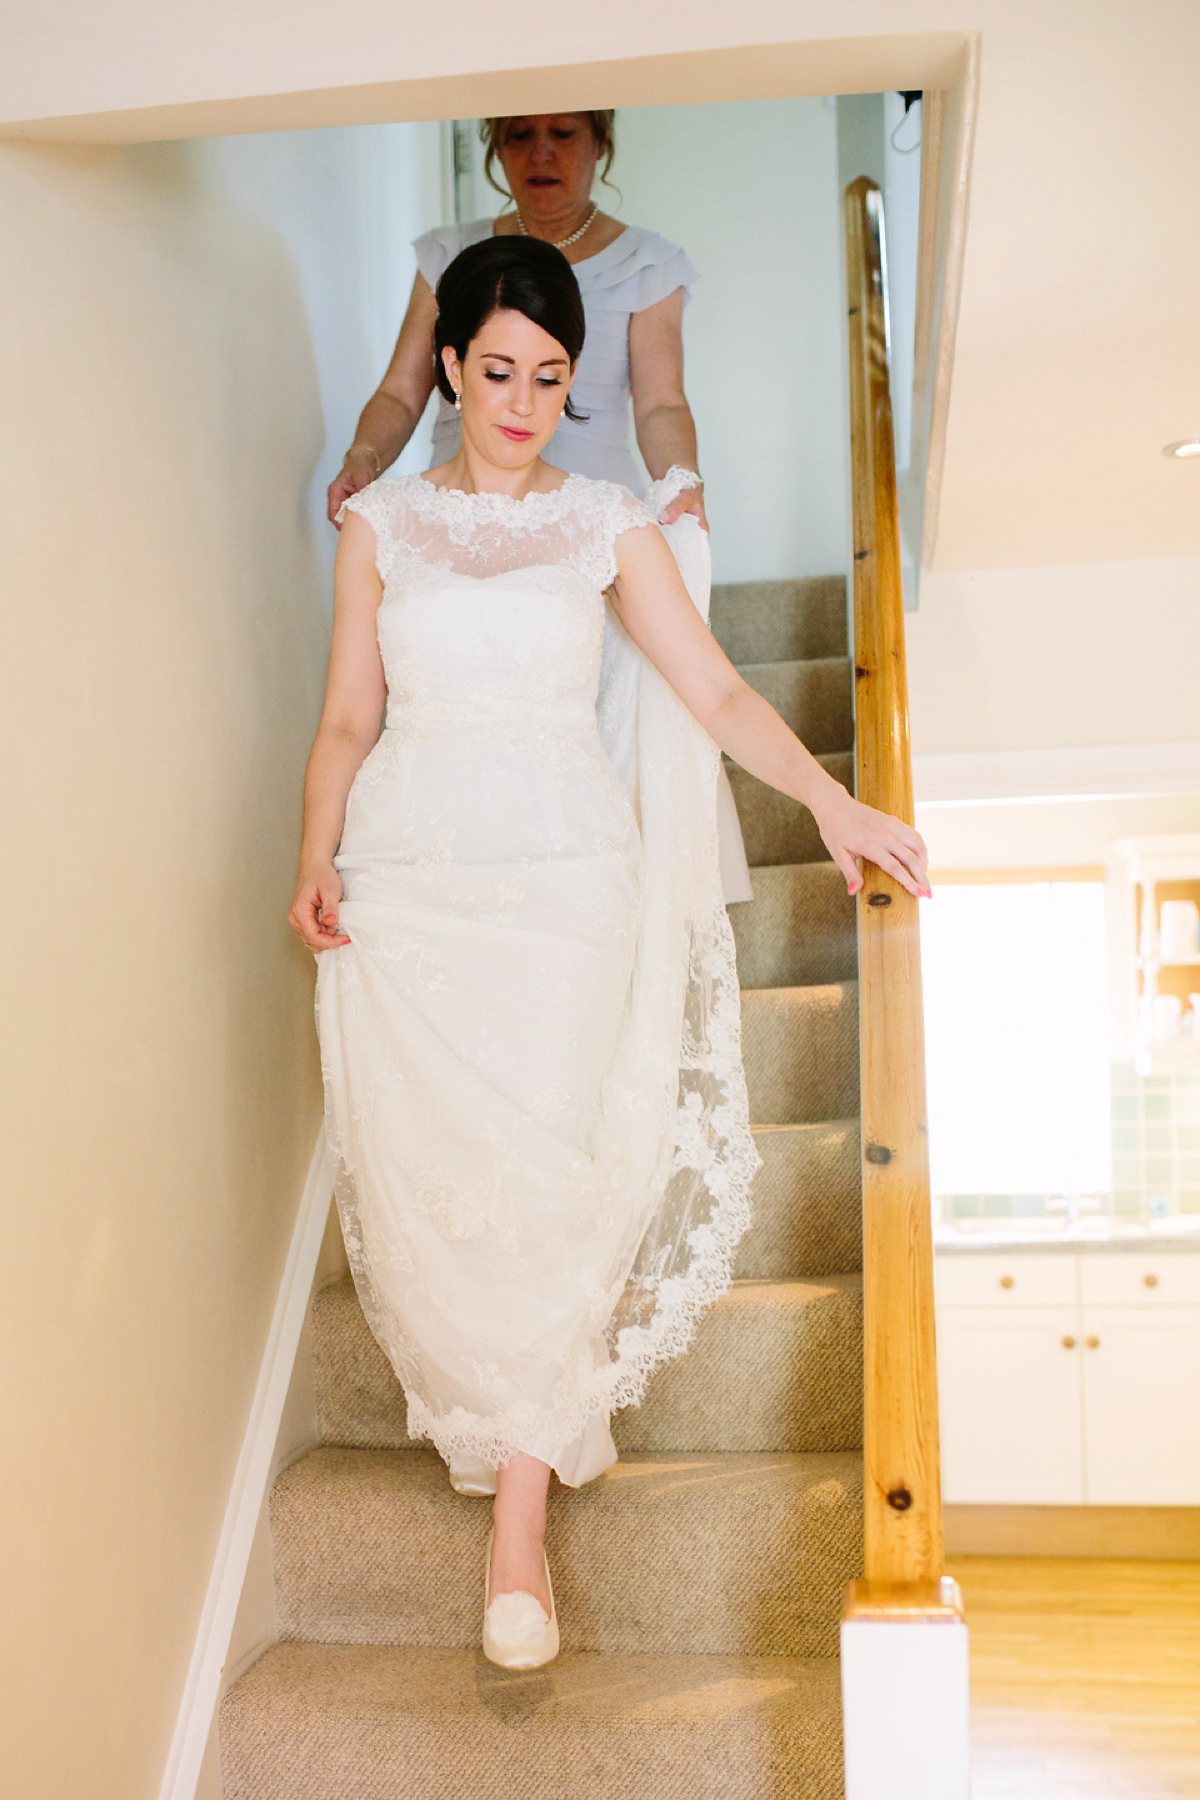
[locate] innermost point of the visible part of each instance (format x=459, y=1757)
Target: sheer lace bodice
x=574, y=526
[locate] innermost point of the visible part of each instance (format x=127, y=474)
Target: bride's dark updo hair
x=509, y=274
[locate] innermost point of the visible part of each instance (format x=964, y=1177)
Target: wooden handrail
x=903, y=1525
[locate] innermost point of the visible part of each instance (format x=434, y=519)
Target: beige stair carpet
x=356, y=1722
x=776, y=1365
x=699, y=1582
x=665, y=1553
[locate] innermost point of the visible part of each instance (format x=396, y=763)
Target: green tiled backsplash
x=1156, y=1156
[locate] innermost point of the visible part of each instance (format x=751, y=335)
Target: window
x=1017, y=1040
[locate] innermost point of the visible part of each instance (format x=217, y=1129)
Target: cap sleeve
x=647, y=269
x=433, y=253
x=436, y=249
x=629, y=513
x=655, y=280
x=376, y=504
x=625, y=512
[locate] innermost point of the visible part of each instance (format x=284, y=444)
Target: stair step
x=699, y=1581
x=807, y=1202
x=815, y=698
x=774, y=1366
x=689, y=1554
x=357, y=1722
x=800, y=1049
x=780, y=621
x=800, y=927
x=359, y=1400
x=777, y=829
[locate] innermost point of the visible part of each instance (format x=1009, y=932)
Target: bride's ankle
x=518, y=1538
x=518, y=1563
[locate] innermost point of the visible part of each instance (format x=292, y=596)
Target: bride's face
x=513, y=381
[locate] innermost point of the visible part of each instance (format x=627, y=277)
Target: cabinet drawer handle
x=1006, y=1281
x=1150, y=1280
x=1093, y=1343
x=1068, y=1343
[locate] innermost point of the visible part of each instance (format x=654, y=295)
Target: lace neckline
x=459, y=500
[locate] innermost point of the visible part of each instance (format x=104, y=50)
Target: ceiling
x=1078, y=354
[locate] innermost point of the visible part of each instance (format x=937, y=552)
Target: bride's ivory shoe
x=469, y=1476
x=516, y=1632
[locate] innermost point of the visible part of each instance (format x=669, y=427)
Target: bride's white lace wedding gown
x=534, y=1088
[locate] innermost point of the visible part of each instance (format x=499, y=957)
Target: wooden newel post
x=905, y=1696
x=903, y=1536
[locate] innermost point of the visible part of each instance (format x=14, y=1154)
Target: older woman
x=634, y=286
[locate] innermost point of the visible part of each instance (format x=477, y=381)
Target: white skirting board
x=250, y=1481
x=905, y=1708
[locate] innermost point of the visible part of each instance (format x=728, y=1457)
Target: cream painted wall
x=164, y=633
x=1105, y=653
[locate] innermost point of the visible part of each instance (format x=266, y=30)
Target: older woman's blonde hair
x=493, y=134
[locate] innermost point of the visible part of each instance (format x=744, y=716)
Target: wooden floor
x=1085, y=1678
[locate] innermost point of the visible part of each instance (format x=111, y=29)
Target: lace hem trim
x=681, y=1299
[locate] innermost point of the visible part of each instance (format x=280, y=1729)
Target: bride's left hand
x=851, y=830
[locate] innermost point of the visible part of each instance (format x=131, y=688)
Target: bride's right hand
x=314, y=913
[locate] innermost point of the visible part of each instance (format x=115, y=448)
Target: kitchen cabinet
x=1011, y=1407
x=1141, y=1405
x=1070, y=1377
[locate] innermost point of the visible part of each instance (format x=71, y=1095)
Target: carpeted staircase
x=699, y=1583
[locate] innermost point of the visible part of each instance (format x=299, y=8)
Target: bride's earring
x=457, y=401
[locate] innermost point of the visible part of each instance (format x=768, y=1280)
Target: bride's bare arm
x=656, y=610
x=355, y=692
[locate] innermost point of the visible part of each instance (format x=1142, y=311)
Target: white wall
x=750, y=190
x=1048, y=834
x=902, y=207
x=1044, y=659
x=347, y=216
x=1103, y=653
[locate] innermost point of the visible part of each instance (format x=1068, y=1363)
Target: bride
x=527, y=996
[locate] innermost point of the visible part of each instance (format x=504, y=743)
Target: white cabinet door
x=1011, y=1408
x=1141, y=1379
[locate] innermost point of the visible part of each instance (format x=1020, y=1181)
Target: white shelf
x=1136, y=867
x=1180, y=1058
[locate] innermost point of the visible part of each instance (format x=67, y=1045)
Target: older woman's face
x=550, y=160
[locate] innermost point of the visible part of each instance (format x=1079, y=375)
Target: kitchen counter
x=970, y=1237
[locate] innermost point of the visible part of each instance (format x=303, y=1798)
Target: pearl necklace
x=561, y=243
